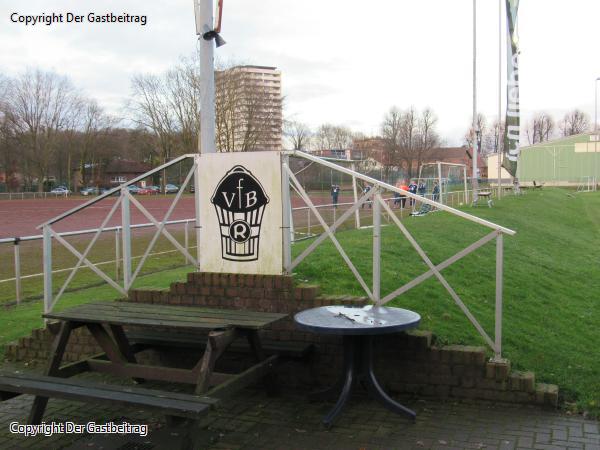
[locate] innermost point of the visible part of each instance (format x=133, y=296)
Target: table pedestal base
x=358, y=367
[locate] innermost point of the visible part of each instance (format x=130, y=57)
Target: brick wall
x=405, y=362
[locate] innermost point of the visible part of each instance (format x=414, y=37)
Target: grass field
x=551, y=313
x=551, y=282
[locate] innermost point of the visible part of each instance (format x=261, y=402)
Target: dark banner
x=512, y=128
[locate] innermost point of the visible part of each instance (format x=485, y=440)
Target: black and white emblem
x=240, y=202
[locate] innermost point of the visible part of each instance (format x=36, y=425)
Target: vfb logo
x=240, y=202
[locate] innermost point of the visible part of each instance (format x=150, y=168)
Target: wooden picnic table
x=223, y=326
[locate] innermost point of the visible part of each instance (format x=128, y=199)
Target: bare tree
x=333, y=137
x=427, y=136
x=541, y=128
x=151, y=109
x=574, y=122
x=39, y=105
x=391, y=131
x=183, y=88
x=297, y=133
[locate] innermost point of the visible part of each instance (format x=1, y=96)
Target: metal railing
x=124, y=202
x=380, y=204
x=380, y=209
x=117, y=261
x=31, y=195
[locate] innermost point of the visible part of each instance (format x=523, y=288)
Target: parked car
x=156, y=189
x=171, y=189
x=146, y=191
x=60, y=190
x=133, y=189
x=90, y=191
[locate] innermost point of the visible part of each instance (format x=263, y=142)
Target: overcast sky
x=343, y=61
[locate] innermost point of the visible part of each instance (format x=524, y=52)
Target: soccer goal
x=444, y=182
x=587, y=184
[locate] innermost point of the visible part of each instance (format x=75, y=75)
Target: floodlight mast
x=203, y=10
x=475, y=183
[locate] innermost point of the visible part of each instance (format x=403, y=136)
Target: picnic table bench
x=118, y=357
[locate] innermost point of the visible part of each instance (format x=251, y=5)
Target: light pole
x=475, y=183
x=596, y=105
x=499, y=96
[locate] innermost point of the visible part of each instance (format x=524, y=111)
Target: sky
x=344, y=62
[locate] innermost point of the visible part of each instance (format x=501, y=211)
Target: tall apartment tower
x=249, y=109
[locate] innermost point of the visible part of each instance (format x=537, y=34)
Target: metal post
x=377, y=248
x=441, y=199
x=186, y=236
x=355, y=192
x=18, y=270
x=126, y=226
x=308, y=220
x=334, y=214
x=466, y=185
x=207, y=79
x=197, y=225
x=475, y=182
x=499, y=270
x=499, y=96
x=117, y=254
x=285, y=197
x=47, y=253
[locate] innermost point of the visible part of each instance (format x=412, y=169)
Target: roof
x=567, y=140
x=127, y=166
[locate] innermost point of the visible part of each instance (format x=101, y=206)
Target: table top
x=181, y=317
x=346, y=320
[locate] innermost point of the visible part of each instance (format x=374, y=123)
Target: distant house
x=458, y=155
x=122, y=170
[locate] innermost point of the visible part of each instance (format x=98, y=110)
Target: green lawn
x=551, y=315
x=551, y=282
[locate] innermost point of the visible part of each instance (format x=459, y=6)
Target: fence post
x=47, y=254
x=186, y=239
x=285, y=194
x=18, y=270
x=126, y=227
x=499, y=281
x=377, y=248
x=308, y=220
x=117, y=253
x=355, y=194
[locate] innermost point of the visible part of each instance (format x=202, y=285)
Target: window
x=118, y=179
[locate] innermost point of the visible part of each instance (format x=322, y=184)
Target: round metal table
x=357, y=326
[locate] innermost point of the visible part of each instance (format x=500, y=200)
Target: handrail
x=114, y=190
x=389, y=187
x=37, y=237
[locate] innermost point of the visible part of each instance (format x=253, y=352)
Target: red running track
x=21, y=217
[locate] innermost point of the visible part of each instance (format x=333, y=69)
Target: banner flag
x=512, y=129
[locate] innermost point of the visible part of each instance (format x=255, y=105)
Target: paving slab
x=255, y=421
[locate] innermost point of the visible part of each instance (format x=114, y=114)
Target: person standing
x=335, y=192
x=436, y=192
x=412, y=188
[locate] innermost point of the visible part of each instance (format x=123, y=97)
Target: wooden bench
x=174, y=405
x=142, y=339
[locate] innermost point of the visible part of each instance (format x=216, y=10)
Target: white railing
x=124, y=202
x=31, y=195
x=380, y=204
x=380, y=209
x=18, y=277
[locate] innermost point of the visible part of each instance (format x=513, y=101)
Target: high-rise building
x=249, y=114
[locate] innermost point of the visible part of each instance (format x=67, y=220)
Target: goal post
x=451, y=178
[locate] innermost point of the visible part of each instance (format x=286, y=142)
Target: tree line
x=49, y=128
